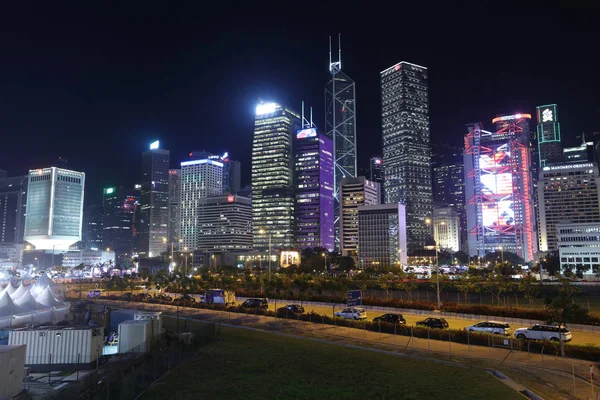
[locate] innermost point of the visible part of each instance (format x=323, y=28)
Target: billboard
x=497, y=185
x=306, y=133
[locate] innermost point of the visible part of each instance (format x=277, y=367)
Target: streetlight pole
x=437, y=267
x=269, y=256
x=325, y=255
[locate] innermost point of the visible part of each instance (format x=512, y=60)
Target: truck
x=220, y=296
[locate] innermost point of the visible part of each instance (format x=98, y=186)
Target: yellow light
x=108, y=249
x=427, y=221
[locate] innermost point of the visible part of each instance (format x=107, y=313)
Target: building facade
x=354, y=192
x=199, y=180
x=54, y=208
x=92, y=227
x=446, y=229
x=382, y=235
x=272, y=176
x=449, y=191
x=340, y=127
x=314, y=190
x=567, y=192
x=548, y=135
x=499, y=188
x=579, y=245
x=406, y=146
x=174, y=206
x=13, y=204
x=89, y=258
x=224, y=224
x=118, y=222
x=154, y=202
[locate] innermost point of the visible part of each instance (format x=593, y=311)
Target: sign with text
x=354, y=298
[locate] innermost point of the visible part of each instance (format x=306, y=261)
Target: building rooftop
x=6, y=349
x=57, y=328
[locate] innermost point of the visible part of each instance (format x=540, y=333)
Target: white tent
x=7, y=310
x=43, y=282
x=48, y=299
x=19, y=292
x=10, y=289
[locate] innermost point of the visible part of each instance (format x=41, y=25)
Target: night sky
x=96, y=84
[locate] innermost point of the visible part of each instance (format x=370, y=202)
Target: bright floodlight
x=154, y=145
x=266, y=108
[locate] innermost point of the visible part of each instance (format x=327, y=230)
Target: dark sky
x=96, y=82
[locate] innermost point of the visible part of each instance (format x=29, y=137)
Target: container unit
x=119, y=316
x=56, y=349
x=135, y=336
x=12, y=368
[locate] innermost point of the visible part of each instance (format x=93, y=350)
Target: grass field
x=258, y=365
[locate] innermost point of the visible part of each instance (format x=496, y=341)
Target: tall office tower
x=567, y=193
x=199, y=179
x=382, y=235
x=13, y=204
x=314, y=190
x=118, y=222
x=499, y=189
x=54, y=208
x=232, y=175
x=354, y=192
x=446, y=228
x=174, y=208
x=376, y=172
x=548, y=134
x=406, y=147
x=449, y=191
x=224, y=223
x=272, y=176
x=154, y=201
x=92, y=227
x=340, y=127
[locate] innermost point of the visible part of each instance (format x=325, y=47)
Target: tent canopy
x=19, y=292
x=48, y=299
x=7, y=306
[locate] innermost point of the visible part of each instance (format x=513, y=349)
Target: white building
x=446, y=229
x=225, y=223
x=579, y=244
x=567, y=193
x=88, y=258
x=54, y=208
x=354, y=192
x=199, y=180
x=382, y=235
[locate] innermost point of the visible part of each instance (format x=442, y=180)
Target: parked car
x=163, y=297
x=391, y=319
x=127, y=296
x=352, y=313
x=291, y=310
x=96, y=293
x=433, y=323
x=544, y=332
x=184, y=299
x=497, y=328
x=142, y=297
x=256, y=303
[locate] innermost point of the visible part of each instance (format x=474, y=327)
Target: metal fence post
x=468, y=342
x=428, y=342
x=573, y=372
x=395, y=325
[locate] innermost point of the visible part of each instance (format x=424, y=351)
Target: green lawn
x=260, y=365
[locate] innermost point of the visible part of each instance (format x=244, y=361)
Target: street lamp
x=262, y=232
x=430, y=244
x=325, y=255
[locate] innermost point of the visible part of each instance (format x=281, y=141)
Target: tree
x=529, y=287
x=579, y=270
x=550, y=264
x=346, y=263
x=461, y=257
x=409, y=284
x=562, y=308
x=496, y=285
x=465, y=285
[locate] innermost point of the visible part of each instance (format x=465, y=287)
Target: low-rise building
x=446, y=229
x=579, y=245
x=88, y=258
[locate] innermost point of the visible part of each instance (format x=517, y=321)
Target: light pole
x=325, y=255
x=431, y=244
x=262, y=232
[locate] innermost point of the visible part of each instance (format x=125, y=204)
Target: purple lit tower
x=314, y=190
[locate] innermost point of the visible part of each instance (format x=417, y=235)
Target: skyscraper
x=446, y=229
x=92, y=227
x=340, y=126
x=376, y=171
x=499, y=188
x=314, y=190
x=13, y=203
x=272, y=176
x=119, y=209
x=449, y=191
x=224, y=223
x=548, y=135
x=382, y=235
x=174, y=208
x=154, y=200
x=406, y=146
x=567, y=193
x=54, y=208
x=199, y=179
x=354, y=192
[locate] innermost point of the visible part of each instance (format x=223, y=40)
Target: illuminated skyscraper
x=340, y=126
x=54, y=208
x=199, y=179
x=272, y=176
x=154, y=200
x=92, y=227
x=548, y=135
x=13, y=204
x=406, y=147
x=446, y=228
x=174, y=206
x=314, y=190
x=119, y=209
x=499, y=188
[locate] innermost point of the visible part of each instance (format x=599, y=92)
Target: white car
x=544, y=332
x=495, y=327
x=352, y=313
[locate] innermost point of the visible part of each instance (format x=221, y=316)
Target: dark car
x=390, y=319
x=256, y=303
x=291, y=310
x=184, y=299
x=163, y=297
x=433, y=323
x=142, y=297
x=127, y=296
